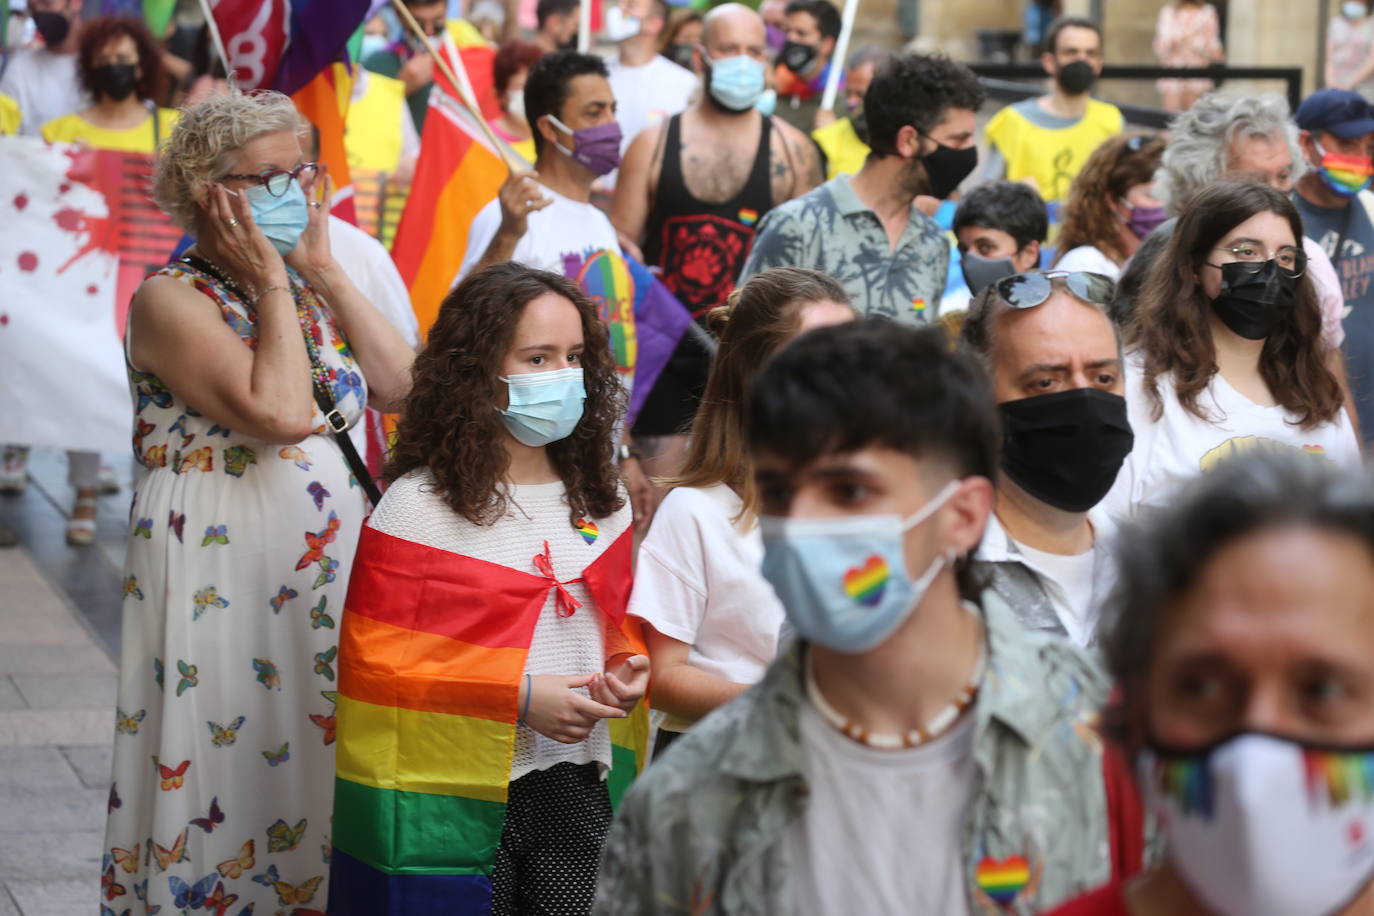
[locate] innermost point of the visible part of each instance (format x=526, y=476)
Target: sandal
x=81, y=531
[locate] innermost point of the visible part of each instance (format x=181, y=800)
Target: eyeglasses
x=278, y=181
x=1290, y=259
x=1024, y=291
x=1138, y=142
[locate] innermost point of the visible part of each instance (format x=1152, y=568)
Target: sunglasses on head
x=1138, y=142
x=1024, y=291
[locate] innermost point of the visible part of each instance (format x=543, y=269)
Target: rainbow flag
x=1348, y=175
x=324, y=102
x=431, y=653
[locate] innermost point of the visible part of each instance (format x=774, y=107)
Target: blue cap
x=1340, y=111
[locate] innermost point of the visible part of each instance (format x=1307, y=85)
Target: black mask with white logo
x=796, y=56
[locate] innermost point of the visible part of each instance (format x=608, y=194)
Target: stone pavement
x=57, y=695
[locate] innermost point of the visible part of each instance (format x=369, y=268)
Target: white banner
x=62, y=377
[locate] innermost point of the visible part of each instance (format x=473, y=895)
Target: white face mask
x=515, y=105
x=1353, y=9
x=620, y=26
x=1264, y=826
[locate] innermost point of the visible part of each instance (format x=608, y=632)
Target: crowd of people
x=994, y=540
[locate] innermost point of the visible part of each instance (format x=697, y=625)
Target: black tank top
x=701, y=247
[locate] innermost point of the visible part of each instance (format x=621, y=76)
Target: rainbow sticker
x=606, y=278
x=588, y=530
x=1340, y=776
x=866, y=584
x=1347, y=174
x=748, y=217
x=1188, y=781
x=1314, y=450
x=1003, y=880
x=918, y=305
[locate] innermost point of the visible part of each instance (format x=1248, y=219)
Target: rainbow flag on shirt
x=431, y=653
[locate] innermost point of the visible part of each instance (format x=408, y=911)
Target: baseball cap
x=1340, y=111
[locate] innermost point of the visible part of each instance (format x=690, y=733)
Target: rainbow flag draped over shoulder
x=431, y=653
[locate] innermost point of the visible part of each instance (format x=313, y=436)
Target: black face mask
x=946, y=167
x=1076, y=78
x=1252, y=302
x=1066, y=448
x=859, y=121
x=54, y=27
x=680, y=54
x=117, y=81
x=796, y=56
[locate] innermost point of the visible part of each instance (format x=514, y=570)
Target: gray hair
x=1199, y=149
x=1168, y=550
x=867, y=54
x=204, y=143
x=977, y=336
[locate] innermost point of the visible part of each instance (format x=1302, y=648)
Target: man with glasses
x=1337, y=207
x=1054, y=359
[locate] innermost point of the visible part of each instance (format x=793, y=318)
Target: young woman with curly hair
x=1111, y=206
x=713, y=619
x=487, y=670
x=1224, y=351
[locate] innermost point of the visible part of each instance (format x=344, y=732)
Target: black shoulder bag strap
x=337, y=423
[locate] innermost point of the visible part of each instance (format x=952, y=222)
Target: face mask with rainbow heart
x=843, y=581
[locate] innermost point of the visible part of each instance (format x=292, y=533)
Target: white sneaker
x=106, y=481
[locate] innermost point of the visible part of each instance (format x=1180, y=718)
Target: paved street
x=58, y=635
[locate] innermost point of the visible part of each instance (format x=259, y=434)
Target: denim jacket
x=703, y=829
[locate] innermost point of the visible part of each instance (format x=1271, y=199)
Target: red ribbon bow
x=567, y=605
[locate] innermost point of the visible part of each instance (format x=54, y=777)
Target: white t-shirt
x=565, y=227
x=884, y=829
x=649, y=93
x=45, y=85
x=1091, y=259
x=1180, y=446
x=697, y=580
x=1068, y=583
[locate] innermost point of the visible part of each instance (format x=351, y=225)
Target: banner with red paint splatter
x=66, y=215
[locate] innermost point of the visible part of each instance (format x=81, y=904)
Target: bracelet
x=529, y=692
x=254, y=301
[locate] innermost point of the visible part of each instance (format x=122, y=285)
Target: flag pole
x=584, y=26
x=832, y=79
x=460, y=87
x=218, y=41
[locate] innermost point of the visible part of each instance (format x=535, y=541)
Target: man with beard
x=1045, y=141
x=813, y=28
x=865, y=230
x=691, y=192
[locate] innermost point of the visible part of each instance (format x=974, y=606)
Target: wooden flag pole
x=832, y=79
x=461, y=87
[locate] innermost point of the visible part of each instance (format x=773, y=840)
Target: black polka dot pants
x=556, y=824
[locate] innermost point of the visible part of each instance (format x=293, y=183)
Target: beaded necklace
x=937, y=726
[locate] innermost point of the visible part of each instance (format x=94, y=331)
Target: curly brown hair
x=450, y=423
x=1171, y=326
x=100, y=31
x=1112, y=170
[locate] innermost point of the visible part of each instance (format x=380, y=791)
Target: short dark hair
x=873, y=382
x=917, y=90
x=826, y=16
x=1011, y=206
x=102, y=30
x=1068, y=22
x=547, y=8
x=546, y=88
x=1170, y=548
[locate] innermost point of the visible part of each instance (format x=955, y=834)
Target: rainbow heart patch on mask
x=588, y=530
x=748, y=217
x=866, y=584
x=1003, y=880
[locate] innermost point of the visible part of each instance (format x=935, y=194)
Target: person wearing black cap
x=1337, y=207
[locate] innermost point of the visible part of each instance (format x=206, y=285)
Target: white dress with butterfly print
x=238, y=560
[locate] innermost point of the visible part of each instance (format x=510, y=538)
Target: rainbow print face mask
x=843, y=581
x=1346, y=175
x=1266, y=826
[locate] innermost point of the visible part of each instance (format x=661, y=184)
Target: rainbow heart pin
x=866, y=583
x=588, y=530
x=1314, y=449
x=1003, y=879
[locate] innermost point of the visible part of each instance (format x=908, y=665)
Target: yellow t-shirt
x=1051, y=156
x=140, y=139
x=372, y=131
x=845, y=153
x=10, y=115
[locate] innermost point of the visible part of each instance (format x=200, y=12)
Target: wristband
x=529, y=692
x=256, y=299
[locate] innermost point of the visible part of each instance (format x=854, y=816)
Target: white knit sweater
x=561, y=645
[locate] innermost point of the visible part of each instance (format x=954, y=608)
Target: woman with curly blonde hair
x=488, y=672
x=1111, y=207
x=243, y=526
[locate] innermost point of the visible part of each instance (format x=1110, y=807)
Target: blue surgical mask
x=767, y=103
x=372, y=44
x=736, y=82
x=281, y=219
x=843, y=581
x=544, y=406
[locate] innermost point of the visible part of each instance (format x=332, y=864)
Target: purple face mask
x=775, y=38
x=598, y=148
x=1144, y=220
